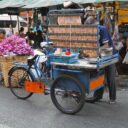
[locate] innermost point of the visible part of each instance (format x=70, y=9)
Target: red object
x=67, y=53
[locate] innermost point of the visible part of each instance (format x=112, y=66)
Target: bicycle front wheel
x=17, y=78
x=68, y=94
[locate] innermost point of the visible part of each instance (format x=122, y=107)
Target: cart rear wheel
x=17, y=77
x=94, y=97
x=68, y=94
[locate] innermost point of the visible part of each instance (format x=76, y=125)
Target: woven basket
x=6, y=65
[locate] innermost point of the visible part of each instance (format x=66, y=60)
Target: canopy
x=44, y=3
x=15, y=3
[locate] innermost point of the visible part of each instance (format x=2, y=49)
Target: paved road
x=39, y=112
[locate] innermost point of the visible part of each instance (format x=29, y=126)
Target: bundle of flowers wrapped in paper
x=16, y=46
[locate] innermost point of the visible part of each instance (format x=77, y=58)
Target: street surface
x=39, y=112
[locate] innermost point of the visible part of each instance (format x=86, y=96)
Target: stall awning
x=44, y=3
x=15, y=3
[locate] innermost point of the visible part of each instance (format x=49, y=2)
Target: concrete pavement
x=39, y=112
x=122, y=81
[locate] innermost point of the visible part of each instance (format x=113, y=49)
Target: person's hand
x=106, y=44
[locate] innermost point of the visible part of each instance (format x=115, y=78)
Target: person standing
x=21, y=32
x=110, y=72
x=38, y=35
x=10, y=32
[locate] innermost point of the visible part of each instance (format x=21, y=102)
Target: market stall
x=74, y=74
x=76, y=66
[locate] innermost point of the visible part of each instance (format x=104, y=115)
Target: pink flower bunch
x=16, y=45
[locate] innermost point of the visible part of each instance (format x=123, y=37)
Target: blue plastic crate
x=73, y=58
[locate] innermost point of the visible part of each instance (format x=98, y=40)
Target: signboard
x=10, y=11
x=123, y=4
x=122, y=16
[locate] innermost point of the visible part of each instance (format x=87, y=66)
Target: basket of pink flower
x=13, y=49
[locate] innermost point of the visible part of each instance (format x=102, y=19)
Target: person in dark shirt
x=38, y=35
x=30, y=36
x=21, y=33
x=105, y=40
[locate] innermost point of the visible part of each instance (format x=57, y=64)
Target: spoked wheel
x=68, y=94
x=95, y=96
x=17, y=78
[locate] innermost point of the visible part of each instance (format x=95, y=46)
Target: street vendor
x=2, y=34
x=38, y=35
x=105, y=40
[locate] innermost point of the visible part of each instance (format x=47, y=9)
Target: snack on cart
x=70, y=32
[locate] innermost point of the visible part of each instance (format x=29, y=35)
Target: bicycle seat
x=31, y=61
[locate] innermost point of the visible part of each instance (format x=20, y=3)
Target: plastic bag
x=119, y=45
x=125, y=61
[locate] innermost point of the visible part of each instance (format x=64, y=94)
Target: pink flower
x=16, y=45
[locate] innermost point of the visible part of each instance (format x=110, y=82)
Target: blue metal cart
x=87, y=72
x=72, y=76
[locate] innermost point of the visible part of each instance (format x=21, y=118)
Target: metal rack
x=78, y=36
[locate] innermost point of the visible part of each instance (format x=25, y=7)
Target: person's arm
x=106, y=44
x=105, y=37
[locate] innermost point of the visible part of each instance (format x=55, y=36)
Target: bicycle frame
x=38, y=75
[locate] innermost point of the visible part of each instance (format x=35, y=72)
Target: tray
x=73, y=58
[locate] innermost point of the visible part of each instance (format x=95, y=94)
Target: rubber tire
x=82, y=89
x=9, y=80
x=96, y=97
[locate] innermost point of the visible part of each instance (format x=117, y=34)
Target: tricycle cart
x=72, y=76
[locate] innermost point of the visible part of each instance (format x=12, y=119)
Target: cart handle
x=71, y=10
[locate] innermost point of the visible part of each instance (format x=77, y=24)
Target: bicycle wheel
x=95, y=96
x=17, y=77
x=68, y=94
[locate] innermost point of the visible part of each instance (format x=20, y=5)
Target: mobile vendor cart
x=77, y=67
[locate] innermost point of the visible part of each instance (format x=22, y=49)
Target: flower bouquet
x=13, y=49
x=15, y=46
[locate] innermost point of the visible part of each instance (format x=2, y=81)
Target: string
x=70, y=37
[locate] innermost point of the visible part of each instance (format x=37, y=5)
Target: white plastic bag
x=125, y=61
x=119, y=45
